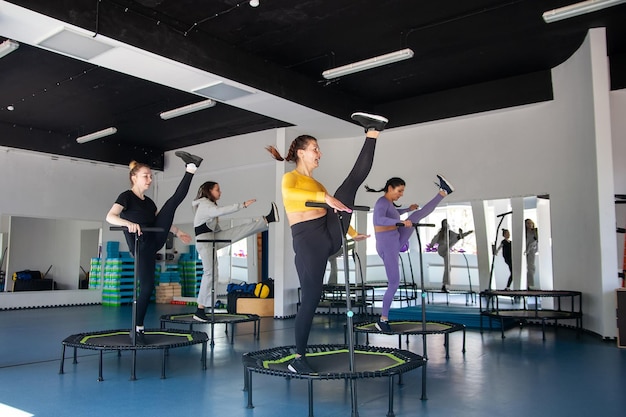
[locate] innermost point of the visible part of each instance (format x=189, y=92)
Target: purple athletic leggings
x=388, y=246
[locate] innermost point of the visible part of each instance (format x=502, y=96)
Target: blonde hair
x=134, y=167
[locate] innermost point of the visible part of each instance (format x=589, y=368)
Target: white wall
x=563, y=148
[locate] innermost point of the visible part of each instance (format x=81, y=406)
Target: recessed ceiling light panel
x=74, y=44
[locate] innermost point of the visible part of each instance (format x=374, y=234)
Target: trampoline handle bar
x=214, y=240
x=400, y=224
x=326, y=206
x=143, y=229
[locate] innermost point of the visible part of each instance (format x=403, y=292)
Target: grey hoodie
x=207, y=212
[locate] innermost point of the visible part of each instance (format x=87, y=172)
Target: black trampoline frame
x=253, y=362
x=76, y=341
x=493, y=311
x=216, y=318
x=370, y=327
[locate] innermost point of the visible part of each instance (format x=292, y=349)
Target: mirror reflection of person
x=354, y=237
x=532, y=237
x=445, y=240
x=505, y=245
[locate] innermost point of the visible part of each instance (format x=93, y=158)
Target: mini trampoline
x=216, y=318
x=410, y=327
x=332, y=362
x=120, y=340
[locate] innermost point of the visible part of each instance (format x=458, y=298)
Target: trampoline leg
x=424, y=396
x=310, y=381
x=212, y=335
x=133, y=366
x=62, y=360
x=248, y=383
x=163, y=364
x=463, y=341
x=257, y=328
x=446, y=343
x=355, y=405
x=543, y=328
x=75, y=356
x=390, y=412
x=203, y=356
x=502, y=326
x=100, y=378
x=232, y=332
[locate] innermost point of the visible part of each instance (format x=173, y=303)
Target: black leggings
x=150, y=243
x=316, y=240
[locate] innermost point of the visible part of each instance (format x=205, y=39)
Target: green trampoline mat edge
x=85, y=339
x=397, y=361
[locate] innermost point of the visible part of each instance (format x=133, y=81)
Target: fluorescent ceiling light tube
x=7, y=47
x=366, y=64
x=187, y=109
x=578, y=9
x=96, y=135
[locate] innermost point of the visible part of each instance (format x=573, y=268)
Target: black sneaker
x=445, y=185
x=383, y=326
x=189, y=158
x=273, y=214
x=140, y=338
x=200, y=315
x=444, y=289
x=300, y=366
x=370, y=121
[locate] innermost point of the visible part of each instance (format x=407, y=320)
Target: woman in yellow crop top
x=315, y=231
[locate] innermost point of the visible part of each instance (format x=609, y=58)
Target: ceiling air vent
x=222, y=92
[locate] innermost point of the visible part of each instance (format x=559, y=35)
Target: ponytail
x=298, y=143
x=391, y=182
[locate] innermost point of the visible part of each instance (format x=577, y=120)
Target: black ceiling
x=470, y=56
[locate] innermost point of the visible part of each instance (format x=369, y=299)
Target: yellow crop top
x=298, y=189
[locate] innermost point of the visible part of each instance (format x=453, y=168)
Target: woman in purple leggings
x=390, y=238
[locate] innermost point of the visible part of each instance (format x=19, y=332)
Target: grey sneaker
x=189, y=158
x=370, y=121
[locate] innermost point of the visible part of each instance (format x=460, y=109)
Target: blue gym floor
x=521, y=375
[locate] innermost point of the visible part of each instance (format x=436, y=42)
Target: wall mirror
x=472, y=266
x=60, y=249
